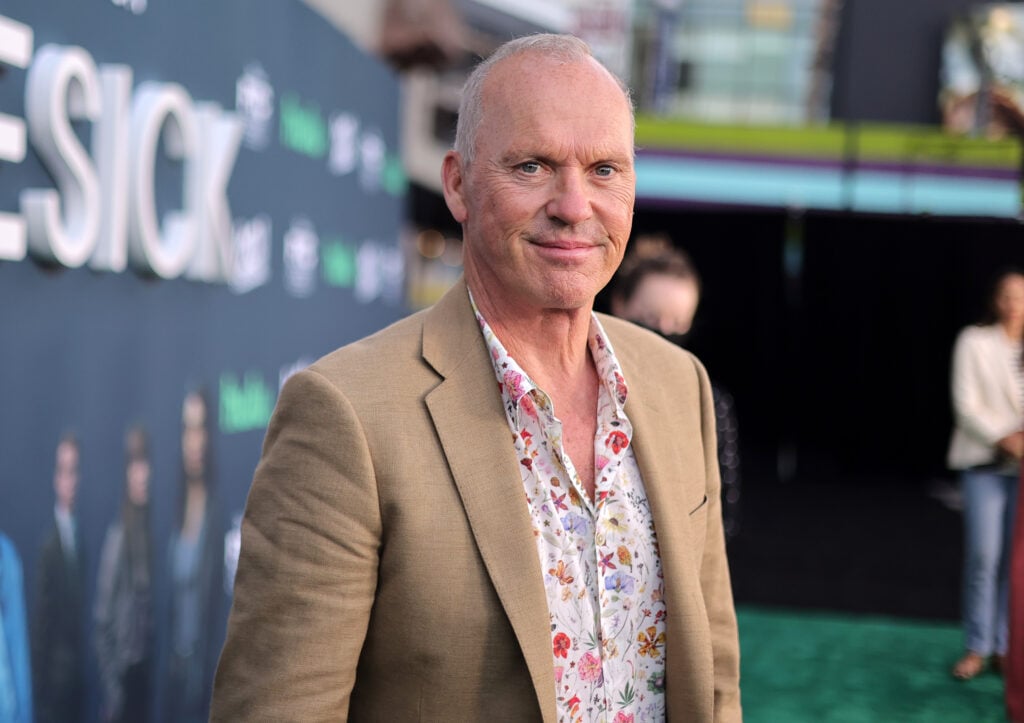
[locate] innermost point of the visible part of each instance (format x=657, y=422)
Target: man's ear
x=453, y=183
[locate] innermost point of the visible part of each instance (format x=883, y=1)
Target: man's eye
x=529, y=167
x=605, y=170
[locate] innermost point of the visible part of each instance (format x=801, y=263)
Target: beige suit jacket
x=388, y=569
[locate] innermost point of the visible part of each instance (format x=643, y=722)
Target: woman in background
x=196, y=564
x=987, y=446
x=124, y=599
x=657, y=287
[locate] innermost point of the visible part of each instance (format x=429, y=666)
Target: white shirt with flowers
x=600, y=561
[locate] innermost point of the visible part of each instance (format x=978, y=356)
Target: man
x=58, y=645
x=496, y=509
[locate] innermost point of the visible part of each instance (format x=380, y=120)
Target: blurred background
x=207, y=197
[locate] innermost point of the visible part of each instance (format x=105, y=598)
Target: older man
x=500, y=508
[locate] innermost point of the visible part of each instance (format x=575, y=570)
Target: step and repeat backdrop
x=196, y=200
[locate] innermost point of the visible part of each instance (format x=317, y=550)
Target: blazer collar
x=671, y=462
x=467, y=413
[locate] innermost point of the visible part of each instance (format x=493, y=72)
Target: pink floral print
x=599, y=559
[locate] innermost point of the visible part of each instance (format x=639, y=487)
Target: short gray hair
x=564, y=48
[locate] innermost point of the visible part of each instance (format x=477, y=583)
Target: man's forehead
x=586, y=92
x=536, y=71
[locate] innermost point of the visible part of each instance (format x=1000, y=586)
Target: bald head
x=562, y=49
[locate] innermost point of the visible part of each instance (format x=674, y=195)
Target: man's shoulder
x=383, y=367
x=395, y=343
x=641, y=348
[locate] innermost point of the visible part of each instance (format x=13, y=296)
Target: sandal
x=968, y=666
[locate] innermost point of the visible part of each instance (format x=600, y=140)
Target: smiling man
x=503, y=507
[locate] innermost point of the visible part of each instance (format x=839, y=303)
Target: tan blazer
x=986, y=396
x=388, y=568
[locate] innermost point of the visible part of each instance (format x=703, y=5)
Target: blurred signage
x=983, y=72
x=839, y=167
x=110, y=194
x=241, y=159
x=607, y=26
x=737, y=61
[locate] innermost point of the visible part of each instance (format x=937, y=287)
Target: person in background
x=987, y=446
x=658, y=288
x=123, y=610
x=58, y=624
x=15, y=670
x=196, y=564
x=450, y=520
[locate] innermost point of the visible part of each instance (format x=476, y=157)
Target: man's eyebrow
x=518, y=155
x=515, y=157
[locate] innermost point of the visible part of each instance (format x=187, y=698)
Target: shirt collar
x=516, y=383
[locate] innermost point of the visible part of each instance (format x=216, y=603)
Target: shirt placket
x=589, y=610
x=585, y=608
x=606, y=482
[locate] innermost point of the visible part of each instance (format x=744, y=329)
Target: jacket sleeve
x=972, y=415
x=308, y=565
x=714, y=576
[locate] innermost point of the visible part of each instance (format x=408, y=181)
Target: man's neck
x=551, y=345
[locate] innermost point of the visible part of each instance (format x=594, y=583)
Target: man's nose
x=570, y=201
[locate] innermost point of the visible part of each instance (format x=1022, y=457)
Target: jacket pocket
x=698, y=524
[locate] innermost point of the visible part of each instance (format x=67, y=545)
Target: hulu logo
x=393, y=178
x=339, y=263
x=303, y=130
x=244, y=405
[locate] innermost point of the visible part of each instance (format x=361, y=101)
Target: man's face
x=547, y=202
x=65, y=475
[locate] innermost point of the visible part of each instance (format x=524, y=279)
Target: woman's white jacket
x=986, y=396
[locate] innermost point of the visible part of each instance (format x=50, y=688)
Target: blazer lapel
x=670, y=466
x=467, y=413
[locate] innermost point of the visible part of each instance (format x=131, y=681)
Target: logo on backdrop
x=379, y=273
x=252, y=254
x=344, y=135
x=135, y=6
x=301, y=258
x=254, y=100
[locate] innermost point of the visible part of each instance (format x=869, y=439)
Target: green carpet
x=829, y=668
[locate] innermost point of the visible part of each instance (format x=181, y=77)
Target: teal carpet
x=826, y=668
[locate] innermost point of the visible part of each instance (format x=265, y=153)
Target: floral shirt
x=602, y=571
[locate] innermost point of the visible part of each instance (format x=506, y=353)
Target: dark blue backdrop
x=94, y=351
